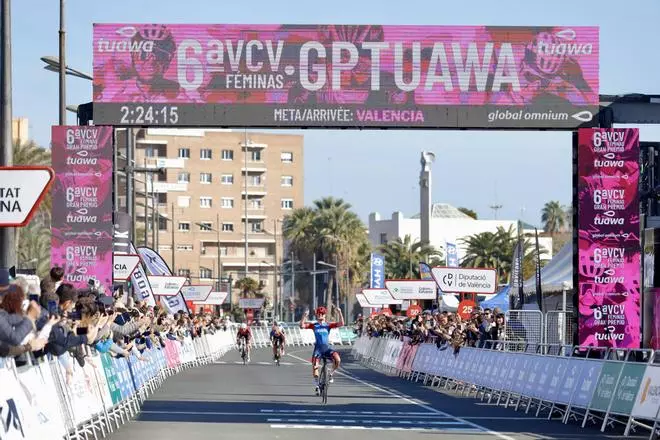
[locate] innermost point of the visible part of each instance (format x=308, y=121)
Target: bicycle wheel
x=324, y=381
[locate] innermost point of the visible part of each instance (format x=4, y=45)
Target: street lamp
x=53, y=65
x=217, y=232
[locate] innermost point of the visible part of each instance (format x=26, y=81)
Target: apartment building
x=217, y=188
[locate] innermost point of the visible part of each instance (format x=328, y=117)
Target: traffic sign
x=123, y=266
x=21, y=190
x=466, y=307
x=462, y=280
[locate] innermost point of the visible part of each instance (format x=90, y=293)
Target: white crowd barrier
x=614, y=389
x=45, y=401
x=296, y=337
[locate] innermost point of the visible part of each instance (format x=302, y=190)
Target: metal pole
x=293, y=283
x=115, y=174
x=146, y=206
x=7, y=237
x=314, y=301
x=246, y=205
x=277, y=293
x=281, y=291
x=172, y=225
x=338, y=278
x=217, y=233
x=62, y=70
x=563, y=320
x=154, y=219
x=130, y=199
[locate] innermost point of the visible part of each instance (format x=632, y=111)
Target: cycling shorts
x=323, y=351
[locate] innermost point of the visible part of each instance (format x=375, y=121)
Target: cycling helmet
x=321, y=311
x=243, y=326
x=164, y=45
x=541, y=53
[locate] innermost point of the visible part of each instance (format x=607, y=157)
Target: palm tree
x=249, y=287
x=332, y=232
x=553, y=217
x=402, y=257
x=35, y=248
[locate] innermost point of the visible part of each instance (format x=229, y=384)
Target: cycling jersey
x=274, y=335
x=322, y=332
x=247, y=334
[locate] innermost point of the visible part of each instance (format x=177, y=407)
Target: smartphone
x=52, y=307
x=81, y=331
x=34, y=298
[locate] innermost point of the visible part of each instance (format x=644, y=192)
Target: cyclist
x=278, y=339
x=244, y=336
x=322, y=346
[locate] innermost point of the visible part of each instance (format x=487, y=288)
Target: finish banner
x=345, y=76
x=82, y=224
x=609, y=250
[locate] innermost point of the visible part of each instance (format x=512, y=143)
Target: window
x=227, y=179
x=184, y=247
x=383, y=238
x=256, y=204
x=184, y=153
x=254, y=180
x=150, y=152
x=227, y=227
x=223, y=251
x=162, y=198
x=255, y=156
x=184, y=273
x=205, y=202
x=184, y=226
x=287, y=203
x=256, y=226
x=162, y=224
x=183, y=177
x=286, y=181
x=227, y=202
x=164, y=247
x=205, y=154
x=183, y=201
x=287, y=157
x=227, y=154
x=205, y=272
x=205, y=178
x=206, y=226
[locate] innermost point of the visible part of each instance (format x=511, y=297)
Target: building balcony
x=164, y=187
x=255, y=168
x=255, y=192
x=253, y=145
x=164, y=162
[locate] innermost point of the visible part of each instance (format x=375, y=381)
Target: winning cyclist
x=244, y=336
x=278, y=339
x=322, y=344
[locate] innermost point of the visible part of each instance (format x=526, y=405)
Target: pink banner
x=82, y=225
x=344, y=75
x=609, y=250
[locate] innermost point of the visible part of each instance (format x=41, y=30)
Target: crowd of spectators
x=56, y=319
x=445, y=329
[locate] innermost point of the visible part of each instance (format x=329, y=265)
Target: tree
x=468, y=212
x=402, y=257
x=249, y=287
x=553, y=217
x=34, y=248
x=331, y=232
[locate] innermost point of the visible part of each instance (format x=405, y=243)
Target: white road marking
x=321, y=411
x=379, y=428
x=414, y=402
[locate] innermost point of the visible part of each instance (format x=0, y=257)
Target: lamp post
x=334, y=266
x=7, y=239
x=217, y=238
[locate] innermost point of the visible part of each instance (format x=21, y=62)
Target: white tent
x=448, y=302
x=555, y=273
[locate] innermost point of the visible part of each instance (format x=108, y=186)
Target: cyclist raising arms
x=322, y=344
x=244, y=336
x=278, y=339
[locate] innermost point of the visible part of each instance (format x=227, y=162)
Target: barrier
x=56, y=398
x=558, y=327
x=295, y=336
x=524, y=326
x=618, y=387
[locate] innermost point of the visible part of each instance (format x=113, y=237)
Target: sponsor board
x=250, y=303
x=196, y=292
x=163, y=285
x=21, y=192
x=214, y=299
x=412, y=289
x=123, y=266
x=460, y=280
x=380, y=297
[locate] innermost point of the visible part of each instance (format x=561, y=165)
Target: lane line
x=414, y=402
x=380, y=428
x=321, y=411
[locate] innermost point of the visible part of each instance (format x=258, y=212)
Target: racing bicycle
x=278, y=351
x=243, y=349
x=324, y=383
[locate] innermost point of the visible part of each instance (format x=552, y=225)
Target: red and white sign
x=214, y=299
x=465, y=308
x=413, y=311
x=362, y=300
x=123, y=266
x=22, y=188
x=196, y=292
x=380, y=297
x=462, y=280
x=386, y=312
x=412, y=289
x=166, y=285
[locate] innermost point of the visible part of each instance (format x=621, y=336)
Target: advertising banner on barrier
x=82, y=221
x=609, y=250
x=586, y=383
x=111, y=378
x=287, y=75
x=607, y=381
x=411, y=289
x=627, y=388
x=648, y=399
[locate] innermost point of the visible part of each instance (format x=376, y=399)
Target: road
x=227, y=400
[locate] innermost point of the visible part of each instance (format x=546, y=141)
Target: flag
x=539, y=291
x=452, y=255
x=425, y=274
x=157, y=266
x=140, y=282
x=377, y=280
x=521, y=252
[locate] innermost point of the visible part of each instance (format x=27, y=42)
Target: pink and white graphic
x=372, y=65
x=609, y=252
x=82, y=225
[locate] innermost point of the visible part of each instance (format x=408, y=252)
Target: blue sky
x=374, y=170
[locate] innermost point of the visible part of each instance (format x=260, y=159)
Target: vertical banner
x=609, y=253
x=82, y=228
x=140, y=281
x=157, y=266
x=514, y=278
x=377, y=280
x=539, y=290
x=452, y=255
x=521, y=255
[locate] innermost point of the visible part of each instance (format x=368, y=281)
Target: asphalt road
x=227, y=400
